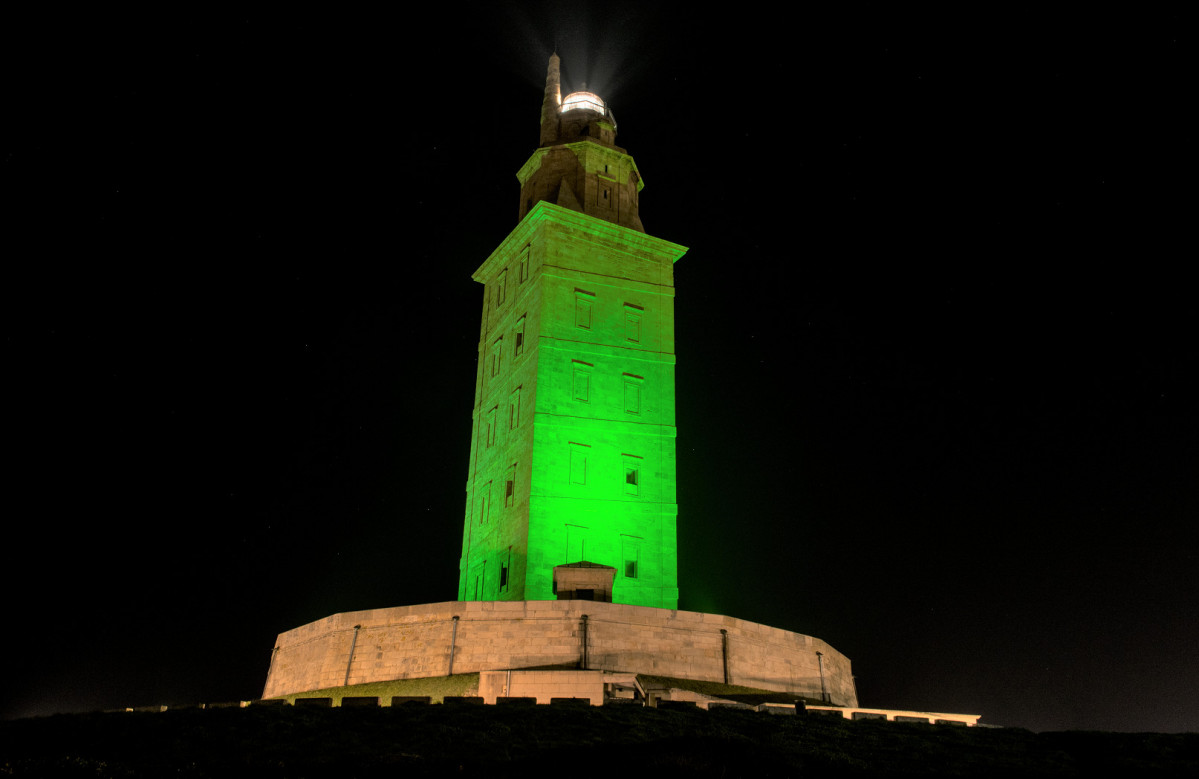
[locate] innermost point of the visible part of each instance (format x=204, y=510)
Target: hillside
x=499, y=741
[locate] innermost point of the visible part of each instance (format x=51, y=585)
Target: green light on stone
x=573, y=451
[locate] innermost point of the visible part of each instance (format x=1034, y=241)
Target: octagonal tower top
x=577, y=164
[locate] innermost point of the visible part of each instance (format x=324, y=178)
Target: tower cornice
x=545, y=213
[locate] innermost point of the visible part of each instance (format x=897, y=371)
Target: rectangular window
x=505, y=564
x=514, y=409
x=497, y=351
x=583, y=303
x=581, y=380
x=578, y=463
x=491, y=420
x=510, y=487
x=484, y=503
x=519, y=337
x=633, y=467
x=501, y=288
x=632, y=322
x=632, y=398
x=524, y=265
x=632, y=393
x=631, y=553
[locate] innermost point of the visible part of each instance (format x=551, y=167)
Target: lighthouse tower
x=568, y=581
x=573, y=448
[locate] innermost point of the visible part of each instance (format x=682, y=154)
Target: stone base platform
x=437, y=639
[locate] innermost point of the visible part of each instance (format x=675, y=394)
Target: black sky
x=935, y=332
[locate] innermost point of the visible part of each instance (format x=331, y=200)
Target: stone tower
x=573, y=451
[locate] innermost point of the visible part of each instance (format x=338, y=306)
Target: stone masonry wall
x=410, y=642
x=542, y=685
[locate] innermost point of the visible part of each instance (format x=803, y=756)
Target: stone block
x=315, y=703
x=868, y=716
x=828, y=713
x=774, y=708
x=358, y=701
x=406, y=700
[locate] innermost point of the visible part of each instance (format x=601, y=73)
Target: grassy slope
x=589, y=741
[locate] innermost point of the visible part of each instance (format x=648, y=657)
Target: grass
x=285, y=741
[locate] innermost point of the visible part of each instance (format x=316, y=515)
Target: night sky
x=936, y=382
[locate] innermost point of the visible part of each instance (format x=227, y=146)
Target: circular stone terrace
x=457, y=637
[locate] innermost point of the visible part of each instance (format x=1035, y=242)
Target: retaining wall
x=410, y=642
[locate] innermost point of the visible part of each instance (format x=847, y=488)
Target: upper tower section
x=578, y=164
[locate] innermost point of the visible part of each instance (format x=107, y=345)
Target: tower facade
x=573, y=446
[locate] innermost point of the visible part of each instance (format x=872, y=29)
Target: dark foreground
x=505, y=741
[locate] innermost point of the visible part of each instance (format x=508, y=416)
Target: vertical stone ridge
x=550, y=102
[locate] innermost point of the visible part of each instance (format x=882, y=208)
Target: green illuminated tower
x=573, y=451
